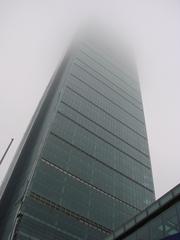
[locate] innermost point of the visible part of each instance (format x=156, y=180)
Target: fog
x=35, y=36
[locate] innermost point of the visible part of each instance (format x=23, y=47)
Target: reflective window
x=170, y=221
x=156, y=228
x=104, y=73
x=178, y=211
x=87, y=78
x=165, y=224
x=107, y=106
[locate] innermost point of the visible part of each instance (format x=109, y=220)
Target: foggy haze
x=35, y=36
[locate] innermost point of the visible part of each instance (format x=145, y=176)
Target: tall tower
x=83, y=166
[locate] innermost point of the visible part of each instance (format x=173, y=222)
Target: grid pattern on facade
x=94, y=171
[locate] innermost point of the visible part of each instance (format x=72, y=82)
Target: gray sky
x=34, y=35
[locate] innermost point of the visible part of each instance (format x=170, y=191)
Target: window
x=170, y=221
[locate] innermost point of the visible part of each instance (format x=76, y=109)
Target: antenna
x=7, y=149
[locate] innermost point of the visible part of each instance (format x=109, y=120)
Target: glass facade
x=163, y=225
x=161, y=220
x=91, y=169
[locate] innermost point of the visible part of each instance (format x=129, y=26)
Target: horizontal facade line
x=106, y=112
x=108, y=70
x=103, y=163
x=127, y=154
x=25, y=235
x=86, y=45
x=89, y=184
x=81, y=61
x=78, y=217
x=108, y=99
x=21, y=232
x=104, y=128
x=103, y=83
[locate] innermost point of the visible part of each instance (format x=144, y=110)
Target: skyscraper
x=83, y=166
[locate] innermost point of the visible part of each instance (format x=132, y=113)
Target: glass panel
x=83, y=66
x=48, y=182
x=170, y=221
x=76, y=197
x=80, y=165
x=178, y=211
x=122, y=214
x=123, y=140
x=82, y=76
x=104, y=104
x=107, y=121
x=156, y=228
x=102, y=72
x=38, y=229
x=101, y=210
x=56, y=151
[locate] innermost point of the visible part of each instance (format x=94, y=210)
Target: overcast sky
x=34, y=36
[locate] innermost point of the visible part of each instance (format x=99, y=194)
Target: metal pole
x=7, y=149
